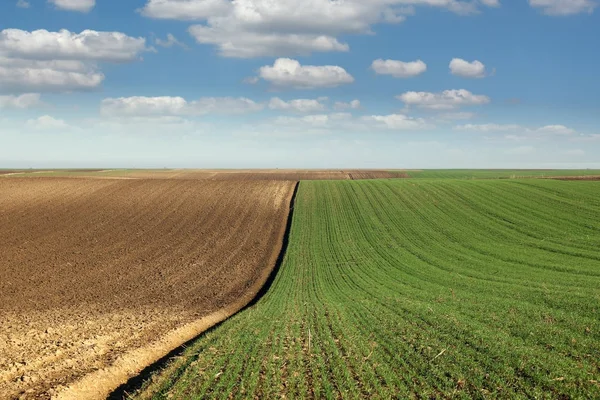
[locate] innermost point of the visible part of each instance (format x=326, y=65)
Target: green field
x=500, y=173
x=417, y=289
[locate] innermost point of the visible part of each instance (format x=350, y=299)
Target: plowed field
x=93, y=269
x=222, y=174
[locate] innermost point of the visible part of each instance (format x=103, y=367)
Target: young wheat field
x=417, y=289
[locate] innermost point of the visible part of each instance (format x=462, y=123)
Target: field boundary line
x=131, y=369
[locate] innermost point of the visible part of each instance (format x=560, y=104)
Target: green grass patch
x=417, y=289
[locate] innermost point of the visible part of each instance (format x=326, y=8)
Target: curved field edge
x=100, y=383
x=429, y=289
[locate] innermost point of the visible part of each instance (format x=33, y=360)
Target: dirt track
x=91, y=269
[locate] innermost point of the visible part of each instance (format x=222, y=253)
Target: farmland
x=505, y=174
x=216, y=174
x=417, y=288
x=93, y=271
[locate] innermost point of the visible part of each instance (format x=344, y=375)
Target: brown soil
x=94, y=270
x=272, y=174
x=14, y=171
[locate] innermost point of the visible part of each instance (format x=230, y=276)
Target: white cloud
x=593, y=137
x=61, y=61
x=74, y=5
x=342, y=122
x=233, y=43
x=286, y=72
x=315, y=120
x=465, y=69
x=321, y=124
x=522, y=132
x=555, y=130
x=21, y=75
x=169, y=42
x=185, y=9
x=88, y=45
x=564, y=7
x=399, y=69
x=298, y=105
x=340, y=105
x=253, y=28
x=488, y=127
x=397, y=122
x=176, y=106
x=23, y=4
x=23, y=101
x=46, y=122
x=446, y=100
x=491, y=3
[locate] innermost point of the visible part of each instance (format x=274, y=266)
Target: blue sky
x=312, y=84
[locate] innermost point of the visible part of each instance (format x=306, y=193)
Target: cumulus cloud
x=23, y=4
x=340, y=105
x=253, y=28
x=23, y=101
x=169, y=42
x=22, y=75
x=397, y=122
x=185, y=9
x=491, y=3
x=564, y=7
x=47, y=122
x=446, y=100
x=233, y=43
x=176, y=106
x=399, y=69
x=555, y=130
x=61, y=61
x=74, y=5
x=88, y=45
x=313, y=121
x=465, y=69
x=297, y=105
x=286, y=72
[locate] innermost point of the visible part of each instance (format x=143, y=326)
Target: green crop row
x=417, y=289
x=498, y=173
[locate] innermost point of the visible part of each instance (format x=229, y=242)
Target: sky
x=300, y=84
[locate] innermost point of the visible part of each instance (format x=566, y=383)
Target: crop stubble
x=91, y=269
